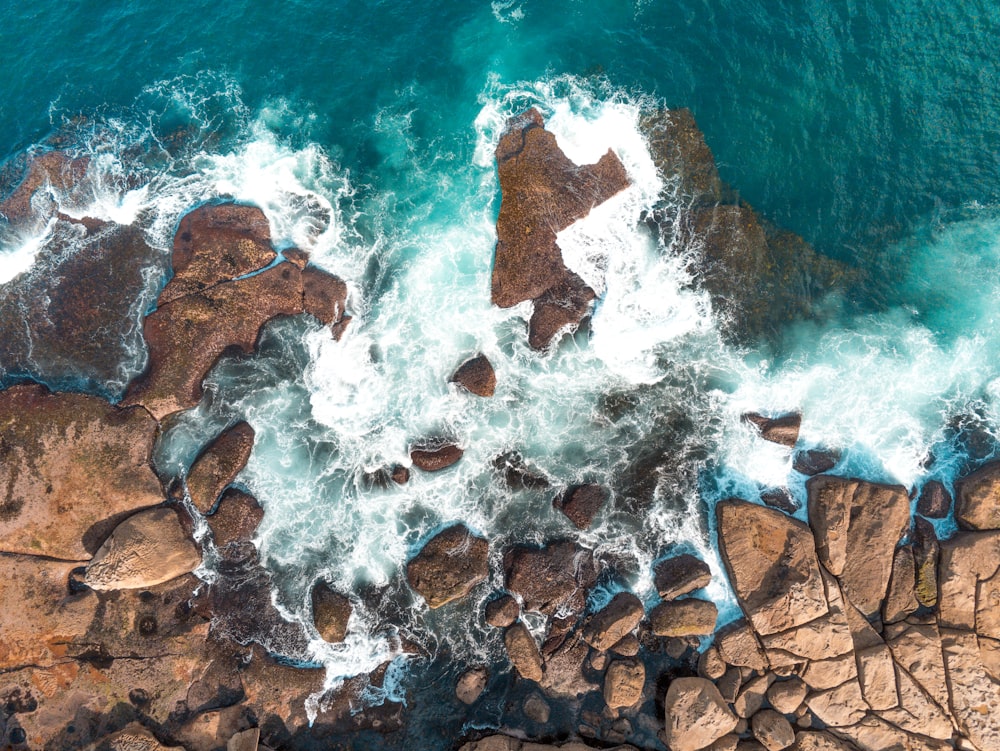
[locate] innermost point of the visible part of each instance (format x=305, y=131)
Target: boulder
x=476, y=376
x=70, y=467
x=614, y=621
x=787, y=696
x=771, y=561
x=783, y=430
x=235, y=520
x=449, y=565
x=688, y=617
x=502, y=611
x=553, y=578
x=977, y=498
x=435, y=458
x=564, y=676
x=581, y=503
x=560, y=308
x=815, y=461
x=738, y=645
x=135, y=737
x=751, y=695
x=537, y=709
x=218, y=465
x=523, y=652
x=820, y=740
x=696, y=715
x=623, y=683
x=934, y=501
x=857, y=527
x=471, y=684
x=627, y=646
x=216, y=243
x=146, y=549
x=331, y=612
x=711, y=665
x=542, y=193
x=680, y=575
x=400, y=475
x=244, y=740
x=780, y=499
x=772, y=730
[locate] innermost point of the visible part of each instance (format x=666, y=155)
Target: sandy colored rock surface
x=610, y=624
x=977, y=498
x=687, y=617
x=623, y=683
x=523, y=652
x=696, y=715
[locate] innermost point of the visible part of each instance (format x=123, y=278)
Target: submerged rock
x=476, y=376
x=449, y=565
x=471, y=684
x=218, y=464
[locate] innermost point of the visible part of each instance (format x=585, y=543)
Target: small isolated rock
x=783, y=430
x=623, y=683
x=696, y=715
x=245, y=740
x=536, y=708
x=689, y=617
x=680, y=575
x=815, y=461
x=502, y=611
x=449, y=565
x=610, y=624
x=934, y=501
x=400, y=475
x=331, y=612
x=471, y=684
x=523, y=652
x=772, y=730
x=977, y=498
x=787, y=696
x=436, y=458
x=476, y=376
x=780, y=499
x=146, y=549
x=581, y=503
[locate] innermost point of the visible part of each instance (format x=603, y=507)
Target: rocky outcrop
x=448, y=566
x=581, y=503
x=977, y=498
x=550, y=579
x=542, y=193
x=218, y=464
x=146, y=549
x=70, y=467
x=476, y=376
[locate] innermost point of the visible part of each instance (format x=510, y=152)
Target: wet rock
x=771, y=561
x=688, y=617
x=537, y=709
x=815, y=461
x=216, y=243
x=581, y=503
x=449, y=565
x=550, y=579
x=560, y=308
x=901, y=599
x=400, y=475
x=523, y=652
x=331, y=612
x=925, y=558
x=772, y=730
x=70, y=465
x=857, y=526
x=780, y=499
x=435, y=458
x=977, y=498
x=564, y=677
x=614, y=621
x=502, y=611
x=471, y=684
x=218, y=465
x=787, y=696
x=476, y=376
x=696, y=715
x=783, y=430
x=235, y=520
x=517, y=473
x=623, y=683
x=678, y=148
x=934, y=501
x=146, y=549
x=23, y=203
x=680, y=575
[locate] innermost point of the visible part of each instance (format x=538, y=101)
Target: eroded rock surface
x=550, y=579
x=449, y=565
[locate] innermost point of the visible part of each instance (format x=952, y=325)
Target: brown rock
x=711, y=665
x=549, y=579
x=772, y=730
x=476, y=376
x=434, y=459
x=787, y=696
x=696, y=715
x=628, y=646
x=678, y=148
x=69, y=463
x=688, y=617
x=236, y=518
x=815, y=461
x=331, y=612
x=877, y=677
x=772, y=564
x=738, y=646
x=471, y=684
x=623, y=683
x=56, y=168
x=820, y=675
x=729, y=684
x=901, y=599
x=934, y=501
x=857, y=526
x=536, y=708
x=783, y=430
x=839, y=707
x=523, y=652
x=680, y=575
x=977, y=498
x=727, y=742
x=502, y=611
x=875, y=734
x=146, y=549
x=966, y=560
x=564, y=675
x=751, y=697
x=975, y=695
x=400, y=475
x=324, y=297
x=560, y=308
x=925, y=557
x=449, y=565
x=825, y=637
x=134, y=737
x=917, y=712
x=581, y=503
x=820, y=740
x=610, y=624
x=916, y=650
x=245, y=740
x=219, y=464
x=216, y=243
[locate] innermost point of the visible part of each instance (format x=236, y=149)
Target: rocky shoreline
x=862, y=631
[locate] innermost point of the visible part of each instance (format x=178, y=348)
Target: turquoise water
x=867, y=127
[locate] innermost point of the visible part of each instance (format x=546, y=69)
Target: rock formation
x=476, y=376
x=449, y=565
x=218, y=464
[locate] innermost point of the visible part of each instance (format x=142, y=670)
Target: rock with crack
x=449, y=565
x=218, y=465
x=623, y=683
x=696, y=715
x=967, y=561
x=564, y=675
x=550, y=579
x=772, y=730
x=542, y=193
x=975, y=694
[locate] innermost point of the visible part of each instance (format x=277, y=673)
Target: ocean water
x=365, y=131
